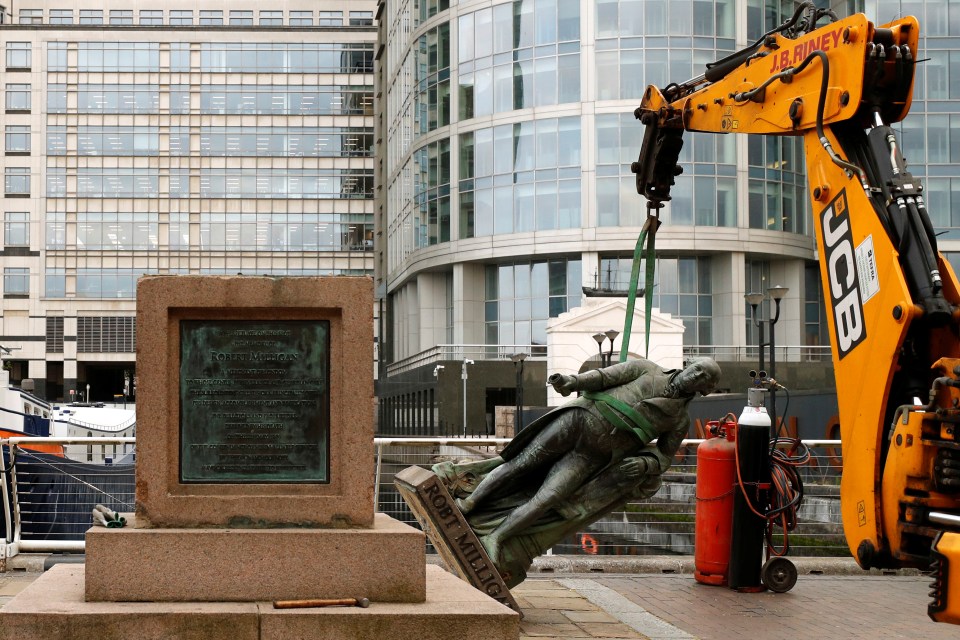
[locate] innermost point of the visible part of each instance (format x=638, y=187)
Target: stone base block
x=453, y=609
x=385, y=564
x=53, y=607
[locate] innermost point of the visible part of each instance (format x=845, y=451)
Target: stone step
x=54, y=607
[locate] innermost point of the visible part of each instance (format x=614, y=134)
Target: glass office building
x=172, y=138
x=507, y=133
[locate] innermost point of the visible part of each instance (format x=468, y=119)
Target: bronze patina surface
x=254, y=401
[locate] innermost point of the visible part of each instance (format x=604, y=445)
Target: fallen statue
x=578, y=462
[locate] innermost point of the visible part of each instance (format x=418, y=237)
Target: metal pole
x=763, y=345
x=520, y=399
x=774, y=427
x=463, y=375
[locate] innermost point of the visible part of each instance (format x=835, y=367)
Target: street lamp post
x=606, y=359
x=518, y=359
x=434, y=412
x=599, y=338
x=463, y=375
x=612, y=335
x=776, y=294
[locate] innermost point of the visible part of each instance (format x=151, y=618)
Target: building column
x=468, y=304
x=727, y=283
x=37, y=371
x=432, y=309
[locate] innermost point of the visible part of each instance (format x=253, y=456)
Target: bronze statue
x=580, y=461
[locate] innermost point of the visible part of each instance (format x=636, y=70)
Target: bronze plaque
x=254, y=401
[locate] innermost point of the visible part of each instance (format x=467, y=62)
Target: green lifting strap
x=622, y=416
x=644, y=250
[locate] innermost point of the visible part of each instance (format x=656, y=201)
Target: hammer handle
x=323, y=602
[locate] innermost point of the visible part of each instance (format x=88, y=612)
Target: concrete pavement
x=578, y=598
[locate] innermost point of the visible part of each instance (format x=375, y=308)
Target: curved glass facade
x=535, y=135
x=520, y=177
x=518, y=55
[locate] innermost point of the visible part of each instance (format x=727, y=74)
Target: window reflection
x=545, y=66
x=501, y=188
x=521, y=297
x=683, y=288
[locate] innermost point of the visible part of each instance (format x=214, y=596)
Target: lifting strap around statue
x=622, y=416
x=644, y=251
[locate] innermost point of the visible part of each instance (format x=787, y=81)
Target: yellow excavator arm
x=893, y=301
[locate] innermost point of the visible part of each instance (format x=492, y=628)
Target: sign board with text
x=254, y=401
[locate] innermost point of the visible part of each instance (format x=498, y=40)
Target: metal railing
x=750, y=354
x=443, y=352
x=48, y=498
x=663, y=524
x=723, y=353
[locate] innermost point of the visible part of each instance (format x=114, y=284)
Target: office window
x=301, y=18
x=16, y=281
x=55, y=283
x=56, y=98
x=61, y=16
x=16, y=181
x=179, y=56
x=18, y=97
x=241, y=18
x=181, y=18
x=151, y=17
x=121, y=16
x=91, y=16
x=271, y=18
x=16, y=229
x=361, y=18
x=17, y=139
x=18, y=55
x=56, y=56
x=330, y=19
x=31, y=16
x=211, y=18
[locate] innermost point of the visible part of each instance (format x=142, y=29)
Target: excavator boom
x=893, y=302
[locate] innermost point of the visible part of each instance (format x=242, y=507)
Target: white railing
x=17, y=498
x=443, y=352
x=723, y=353
x=750, y=354
x=662, y=524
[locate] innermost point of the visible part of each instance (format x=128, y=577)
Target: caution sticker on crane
x=867, y=269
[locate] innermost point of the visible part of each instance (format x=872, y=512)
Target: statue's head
x=700, y=374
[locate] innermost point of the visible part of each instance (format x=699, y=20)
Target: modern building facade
x=172, y=138
x=504, y=190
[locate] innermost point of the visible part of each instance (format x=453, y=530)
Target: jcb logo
x=842, y=275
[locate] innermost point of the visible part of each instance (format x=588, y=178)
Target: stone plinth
x=450, y=532
x=385, y=564
x=163, y=304
x=54, y=607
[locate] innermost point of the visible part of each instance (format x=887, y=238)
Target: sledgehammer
x=323, y=602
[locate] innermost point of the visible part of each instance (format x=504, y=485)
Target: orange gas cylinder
x=716, y=480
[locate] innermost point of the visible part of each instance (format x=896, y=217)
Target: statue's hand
x=639, y=466
x=564, y=384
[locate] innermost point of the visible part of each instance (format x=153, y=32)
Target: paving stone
x=589, y=616
x=573, y=603
x=609, y=630
x=548, y=616
x=568, y=630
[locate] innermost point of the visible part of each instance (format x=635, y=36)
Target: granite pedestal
x=255, y=483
